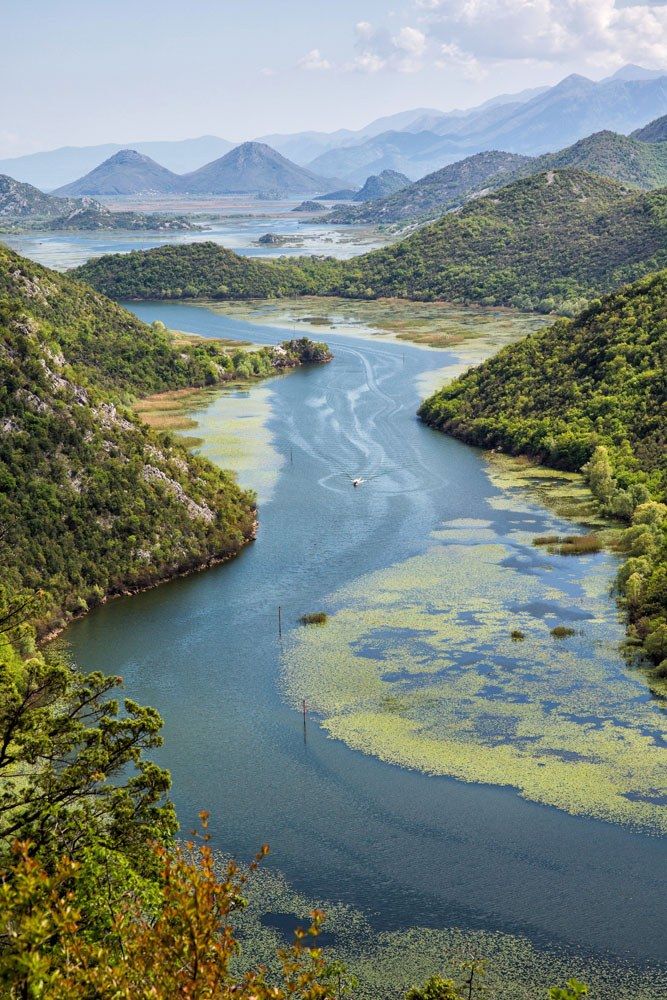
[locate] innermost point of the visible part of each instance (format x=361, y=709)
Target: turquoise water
x=403, y=846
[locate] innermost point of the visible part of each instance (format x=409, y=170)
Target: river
x=405, y=847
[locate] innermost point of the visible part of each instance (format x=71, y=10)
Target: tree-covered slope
x=619, y=157
x=434, y=194
x=547, y=242
x=91, y=501
x=556, y=394
x=655, y=131
x=205, y=270
x=589, y=394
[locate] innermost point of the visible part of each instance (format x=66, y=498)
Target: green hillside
x=548, y=242
x=92, y=502
x=434, y=194
x=655, y=131
x=619, y=157
x=205, y=270
x=588, y=394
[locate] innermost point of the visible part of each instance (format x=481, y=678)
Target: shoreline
x=129, y=591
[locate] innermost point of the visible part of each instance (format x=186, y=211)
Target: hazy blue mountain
x=552, y=119
x=633, y=72
x=411, y=153
x=655, y=131
x=253, y=167
x=343, y=194
x=126, y=172
x=303, y=147
x=56, y=167
x=572, y=109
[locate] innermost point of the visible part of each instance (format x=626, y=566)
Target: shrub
x=314, y=618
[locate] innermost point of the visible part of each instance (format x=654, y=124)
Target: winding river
x=406, y=847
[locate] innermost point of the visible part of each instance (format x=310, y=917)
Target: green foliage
x=561, y=392
x=642, y=580
x=435, y=988
x=182, y=947
x=73, y=777
x=548, y=243
x=572, y=990
x=205, y=270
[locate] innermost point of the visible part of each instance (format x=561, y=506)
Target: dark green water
x=405, y=847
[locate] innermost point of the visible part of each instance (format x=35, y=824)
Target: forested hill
x=206, y=270
x=588, y=394
x=555, y=395
x=548, y=242
x=91, y=501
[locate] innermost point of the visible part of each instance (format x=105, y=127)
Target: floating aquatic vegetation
x=387, y=963
x=428, y=324
x=227, y=426
x=420, y=665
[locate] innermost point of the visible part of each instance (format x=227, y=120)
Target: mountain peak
x=634, y=72
x=124, y=172
x=252, y=167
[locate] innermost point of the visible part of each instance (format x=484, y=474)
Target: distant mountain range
x=415, y=142
x=553, y=118
x=250, y=168
x=622, y=158
x=57, y=167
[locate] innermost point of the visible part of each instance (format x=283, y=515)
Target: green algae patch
x=387, y=963
x=418, y=666
x=229, y=426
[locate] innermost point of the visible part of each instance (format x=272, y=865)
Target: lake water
x=405, y=847
x=239, y=233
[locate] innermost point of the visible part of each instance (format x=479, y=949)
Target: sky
x=82, y=72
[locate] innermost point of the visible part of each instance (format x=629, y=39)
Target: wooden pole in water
x=304, y=719
x=280, y=621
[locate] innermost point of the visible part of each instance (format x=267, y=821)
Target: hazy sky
x=78, y=72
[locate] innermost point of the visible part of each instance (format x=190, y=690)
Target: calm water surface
x=407, y=848
x=64, y=250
